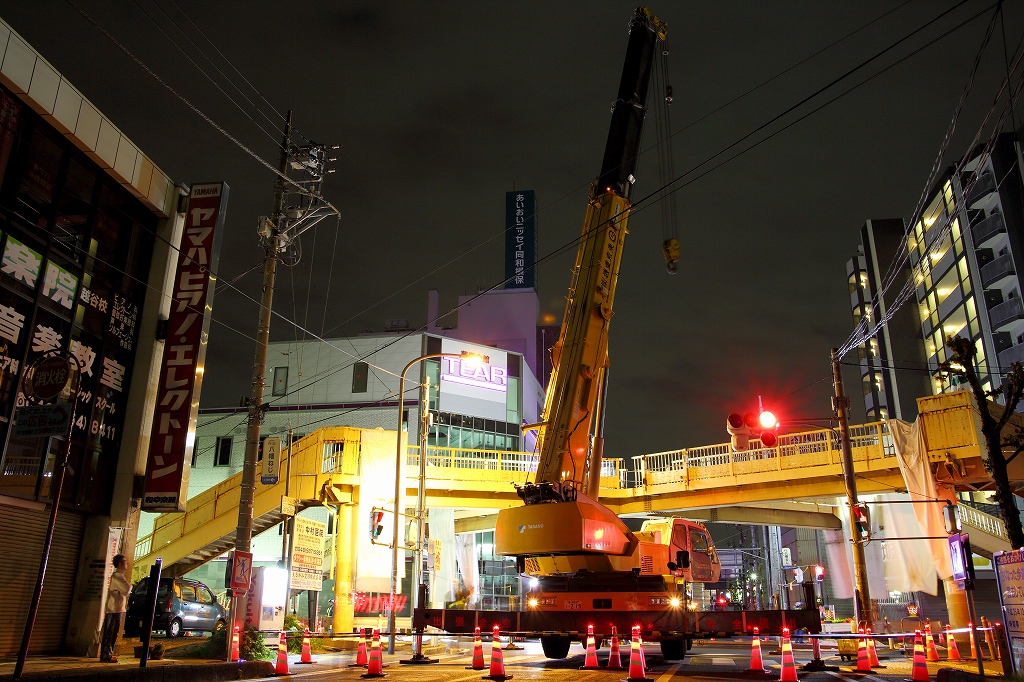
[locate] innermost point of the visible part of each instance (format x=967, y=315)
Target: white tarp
x=908, y=565
x=840, y=555
x=444, y=582
x=469, y=568
x=377, y=489
x=912, y=455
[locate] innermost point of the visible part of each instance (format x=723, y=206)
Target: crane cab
x=680, y=548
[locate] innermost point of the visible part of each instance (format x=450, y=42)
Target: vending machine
x=265, y=602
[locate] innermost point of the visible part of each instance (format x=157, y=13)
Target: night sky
x=441, y=108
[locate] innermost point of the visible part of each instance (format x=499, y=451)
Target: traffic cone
x=872, y=654
x=361, y=661
x=306, y=656
x=952, y=653
x=756, y=662
x=788, y=663
x=920, y=670
x=234, y=645
x=614, y=659
x=497, y=662
x=375, y=666
x=933, y=653
x=863, y=664
x=281, y=668
x=636, y=660
x=590, y=663
x=974, y=647
x=478, y=652
x=640, y=636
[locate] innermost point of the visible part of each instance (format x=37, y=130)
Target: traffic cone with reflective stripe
x=920, y=669
x=478, y=652
x=974, y=646
x=375, y=666
x=614, y=658
x=497, y=662
x=933, y=653
x=307, y=656
x=872, y=654
x=756, y=662
x=590, y=662
x=640, y=636
x=234, y=644
x=952, y=652
x=361, y=660
x=863, y=664
x=636, y=660
x=788, y=663
x=281, y=667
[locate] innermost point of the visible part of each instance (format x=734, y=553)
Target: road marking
x=667, y=675
x=855, y=679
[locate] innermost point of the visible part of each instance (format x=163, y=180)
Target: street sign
x=787, y=556
x=1010, y=580
x=43, y=420
x=240, y=570
x=288, y=505
x=271, y=460
x=48, y=377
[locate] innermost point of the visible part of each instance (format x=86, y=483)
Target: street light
x=401, y=448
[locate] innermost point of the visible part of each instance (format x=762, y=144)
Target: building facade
x=86, y=227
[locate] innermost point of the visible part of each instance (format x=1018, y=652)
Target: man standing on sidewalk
x=117, y=604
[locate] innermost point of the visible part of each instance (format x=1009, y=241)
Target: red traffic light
x=769, y=439
x=819, y=572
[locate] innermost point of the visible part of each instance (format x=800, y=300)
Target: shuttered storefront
x=23, y=532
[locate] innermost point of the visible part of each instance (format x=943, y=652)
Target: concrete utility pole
x=841, y=405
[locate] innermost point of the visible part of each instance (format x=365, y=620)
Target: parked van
x=181, y=605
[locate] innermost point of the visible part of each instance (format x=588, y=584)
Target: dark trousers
x=111, y=629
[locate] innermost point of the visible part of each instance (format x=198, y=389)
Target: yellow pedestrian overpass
x=793, y=484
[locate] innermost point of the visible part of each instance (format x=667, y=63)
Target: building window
x=222, y=457
x=280, y=381
x=359, y=372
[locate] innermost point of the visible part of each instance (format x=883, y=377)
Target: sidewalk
x=127, y=670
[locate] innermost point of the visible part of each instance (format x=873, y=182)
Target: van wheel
x=221, y=625
x=673, y=649
x=555, y=646
x=174, y=629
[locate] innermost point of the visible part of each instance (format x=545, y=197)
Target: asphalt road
x=722, y=660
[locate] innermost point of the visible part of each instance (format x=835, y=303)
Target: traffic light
x=769, y=426
x=376, y=524
x=863, y=520
x=819, y=572
x=739, y=431
x=743, y=427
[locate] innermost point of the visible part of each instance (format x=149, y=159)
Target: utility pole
x=841, y=406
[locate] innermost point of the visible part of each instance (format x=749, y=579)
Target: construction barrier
x=788, y=662
x=375, y=666
x=919, y=673
x=756, y=662
x=281, y=667
x=497, y=672
x=614, y=658
x=478, y=652
x=234, y=645
x=361, y=660
x=590, y=663
x=637, y=672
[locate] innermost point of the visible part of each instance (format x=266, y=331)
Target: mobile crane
x=586, y=565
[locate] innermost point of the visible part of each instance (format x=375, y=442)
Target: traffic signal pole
x=841, y=405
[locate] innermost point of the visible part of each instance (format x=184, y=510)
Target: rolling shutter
x=24, y=531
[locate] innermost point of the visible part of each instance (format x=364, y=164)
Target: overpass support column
x=956, y=604
x=344, y=613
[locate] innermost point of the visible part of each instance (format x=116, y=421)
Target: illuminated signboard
x=474, y=389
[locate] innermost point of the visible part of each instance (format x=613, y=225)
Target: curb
x=215, y=672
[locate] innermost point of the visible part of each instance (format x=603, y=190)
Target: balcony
x=1004, y=313
x=1011, y=355
x=998, y=269
x=985, y=185
x=988, y=228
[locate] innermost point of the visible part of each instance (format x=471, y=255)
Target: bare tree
x=993, y=421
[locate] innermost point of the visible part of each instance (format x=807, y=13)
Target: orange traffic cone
x=478, y=652
x=929, y=642
x=375, y=666
x=974, y=647
x=863, y=664
x=281, y=667
x=756, y=662
x=361, y=660
x=640, y=636
x=590, y=663
x=306, y=654
x=872, y=654
x=497, y=672
x=920, y=670
x=614, y=659
x=636, y=660
x=234, y=645
x=788, y=663
x=952, y=652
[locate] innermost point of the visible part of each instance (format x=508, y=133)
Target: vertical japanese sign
x=181, y=373
x=271, y=460
x=520, y=240
x=308, y=554
x=1010, y=580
